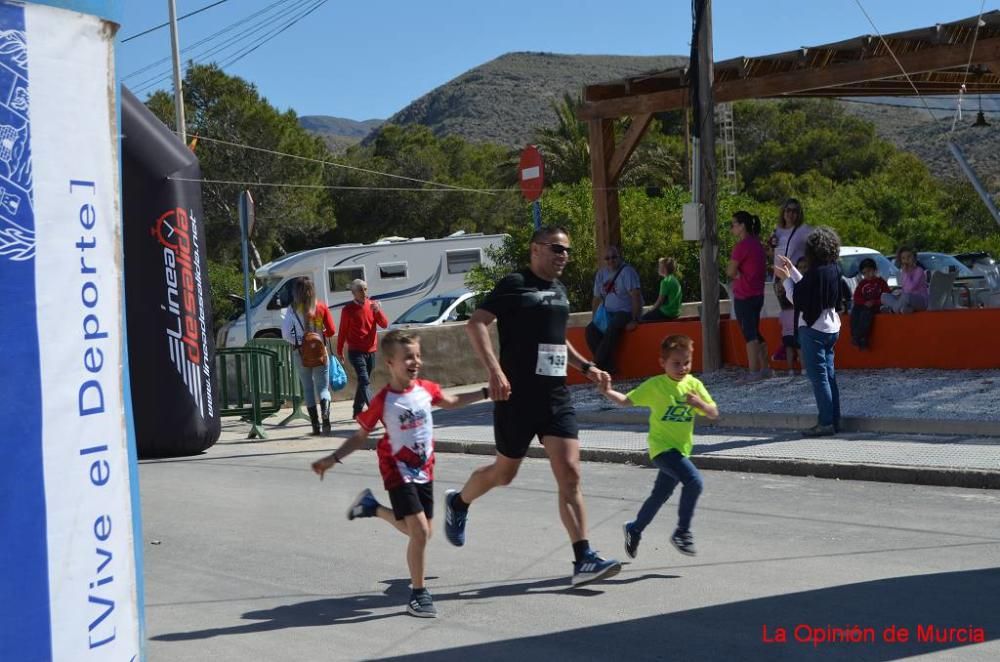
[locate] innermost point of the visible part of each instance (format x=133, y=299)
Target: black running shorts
x=519, y=420
x=412, y=498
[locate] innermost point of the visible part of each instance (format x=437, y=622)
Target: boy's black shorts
x=517, y=422
x=790, y=341
x=412, y=498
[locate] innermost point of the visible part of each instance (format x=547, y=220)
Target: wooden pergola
x=937, y=60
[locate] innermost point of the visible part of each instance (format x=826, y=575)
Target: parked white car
x=850, y=263
x=454, y=306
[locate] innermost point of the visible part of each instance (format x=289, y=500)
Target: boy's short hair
x=397, y=338
x=867, y=263
x=673, y=343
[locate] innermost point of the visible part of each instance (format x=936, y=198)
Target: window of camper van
x=391, y=270
x=339, y=278
x=462, y=261
x=283, y=297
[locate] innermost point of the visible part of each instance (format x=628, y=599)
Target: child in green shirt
x=673, y=399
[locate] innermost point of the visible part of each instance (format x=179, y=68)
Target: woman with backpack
x=307, y=325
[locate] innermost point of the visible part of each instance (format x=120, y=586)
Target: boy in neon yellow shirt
x=673, y=399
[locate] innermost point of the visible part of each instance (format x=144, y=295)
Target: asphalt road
x=249, y=557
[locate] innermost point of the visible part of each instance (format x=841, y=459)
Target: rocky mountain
x=338, y=132
x=505, y=100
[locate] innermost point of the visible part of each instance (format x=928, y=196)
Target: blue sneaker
x=592, y=568
x=454, y=520
x=364, y=505
x=632, y=539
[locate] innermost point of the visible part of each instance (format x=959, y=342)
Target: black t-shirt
x=529, y=311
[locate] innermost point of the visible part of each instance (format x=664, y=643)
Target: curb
x=802, y=421
x=882, y=473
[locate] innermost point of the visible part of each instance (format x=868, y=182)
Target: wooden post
x=607, y=219
x=705, y=116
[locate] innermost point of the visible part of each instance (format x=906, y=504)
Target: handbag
x=338, y=377
x=601, y=318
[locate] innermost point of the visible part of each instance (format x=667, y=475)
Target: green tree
x=374, y=205
x=290, y=214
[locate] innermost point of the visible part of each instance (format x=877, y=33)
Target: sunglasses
x=793, y=209
x=611, y=257
x=558, y=249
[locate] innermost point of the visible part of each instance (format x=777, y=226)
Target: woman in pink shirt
x=746, y=270
x=912, y=281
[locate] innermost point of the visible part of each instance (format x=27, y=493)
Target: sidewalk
x=884, y=413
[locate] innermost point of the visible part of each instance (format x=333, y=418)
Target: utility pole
x=705, y=184
x=178, y=91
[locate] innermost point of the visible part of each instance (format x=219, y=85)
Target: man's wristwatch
x=586, y=366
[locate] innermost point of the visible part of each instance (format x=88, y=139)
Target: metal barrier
x=238, y=369
x=289, y=386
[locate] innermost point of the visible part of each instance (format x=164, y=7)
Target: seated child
x=405, y=455
x=673, y=399
x=914, y=294
x=867, y=300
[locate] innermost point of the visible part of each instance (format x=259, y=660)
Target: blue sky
x=369, y=59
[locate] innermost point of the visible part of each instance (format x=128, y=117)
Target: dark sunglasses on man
x=558, y=249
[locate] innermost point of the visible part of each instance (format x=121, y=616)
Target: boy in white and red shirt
x=405, y=455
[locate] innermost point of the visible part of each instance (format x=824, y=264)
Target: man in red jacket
x=358, y=331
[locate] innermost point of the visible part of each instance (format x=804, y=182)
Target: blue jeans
x=315, y=381
x=817, y=358
x=674, y=468
x=363, y=364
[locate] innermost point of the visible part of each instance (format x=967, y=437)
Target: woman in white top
x=788, y=240
x=815, y=296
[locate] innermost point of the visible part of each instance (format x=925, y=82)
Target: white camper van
x=399, y=272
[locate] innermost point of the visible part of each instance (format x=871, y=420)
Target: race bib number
x=551, y=360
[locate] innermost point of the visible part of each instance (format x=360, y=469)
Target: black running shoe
x=421, y=605
x=684, y=542
x=632, y=539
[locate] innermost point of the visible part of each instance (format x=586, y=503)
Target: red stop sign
x=530, y=173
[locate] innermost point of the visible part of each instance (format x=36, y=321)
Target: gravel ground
x=932, y=394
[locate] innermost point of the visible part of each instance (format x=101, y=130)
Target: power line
x=240, y=56
x=232, y=26
x=179, y=18
x=338, y=187
x=244, y=36
x=899, y=64
x=345, y=166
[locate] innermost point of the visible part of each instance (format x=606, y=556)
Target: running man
x=528, y=385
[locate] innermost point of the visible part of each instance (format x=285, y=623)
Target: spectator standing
x=668, y=304
x=816, y=295
x=359, y=320
x=915, y=293
x=788, y=239
x=305, y=316
x=616, y=285
x=747, y=269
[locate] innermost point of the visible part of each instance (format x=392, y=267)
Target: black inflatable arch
x=171, y=349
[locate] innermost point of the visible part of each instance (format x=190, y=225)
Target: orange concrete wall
x=962, y=339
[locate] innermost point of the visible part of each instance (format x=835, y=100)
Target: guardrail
x=288, y=384
x=249, y=384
